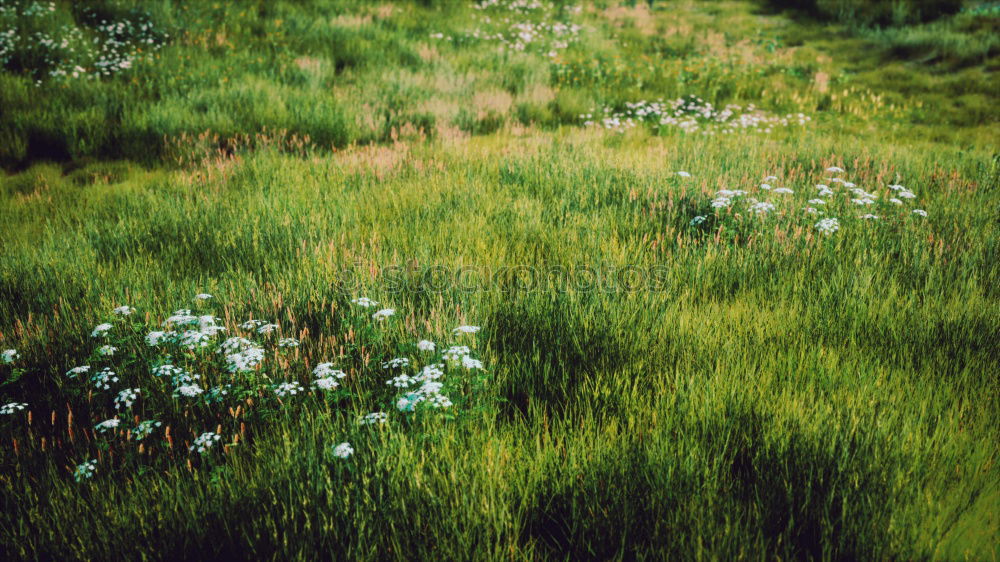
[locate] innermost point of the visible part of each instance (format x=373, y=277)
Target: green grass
x=743, y=388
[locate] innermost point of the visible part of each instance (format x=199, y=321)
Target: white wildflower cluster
x=81, y=370
x=521, y=26
x=374, y=418
x=145, y=429
x=834, y=195
x=186, y=330
x=108, y=425
x=205, y=441
x=11, y=407
x=691, y=114
x=8, y=356
x=101, y=330
x=241, y=354
x=178, y=375
x=424, y=385
x=188, y=391
x=93, y=48
x=103, y=379
x=126, y=398
x=123, y=311
x=384, y=313
x=288, y=342
x=107, y=350
x=397, y=363
x=286, y=389
x=326, y=377
x=343, y=450
x=85, y=470
x=364, y=302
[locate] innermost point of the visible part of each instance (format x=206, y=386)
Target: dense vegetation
x=654, y=280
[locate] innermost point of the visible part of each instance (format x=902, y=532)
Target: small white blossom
x=396, y=363
x=907, y=194
x=82, y=369
x=108, y=425
x=384, y=313
x=466, y=330
x=126, y=398
x=430, y=372
x=203, y=296
x=103, y=379
x=153, y=339
x=288, y=342
x=267, y=328
x=834, y=169
x=324, y=370
x=425, y=345
x=188, y=390
x=920, y=212
x=869, y=216
x=343, y=450
x=683, y=174
x=326, y=383
x=85, y=470
x=456, y=352
x=782, y=190
x=470, y=363
x=364, y=302
x=287, y=389
x=10, y=408
x=697, y=220
x=374, y=418
x=8, y=356
x=817, y=202
x=101, y=330
x=895, y=201
x=145, y=428
x=828, y=226
x=400, y=381
x=205, y=441
x=123, y=310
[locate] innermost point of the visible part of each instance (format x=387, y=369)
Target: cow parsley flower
x=324, y=370
x=145, y=429
x=430, y=372
x=762, y=208
x=456, y=352
x=287, y=389
x=124, y=310
x=825, y=192
x=397, y=363
x=720, y=203
x=188, y=390
x=907, y=194
x=817, y=202
x=409, y=402
x=425, y=345
x=374, y=418
x=439, y=401
x=203, y=296
x=863, y=201
x=101, y=330
x=182, y=317
x=400, y=381
x=267, y=328
x=81, y=370
x=194, y=339
x=326, y=383
x=771, y=178
x=288, y=342
x=765, y=187
x=126, y=398
x=252, y=324
x=470, y=363
x=828, y=226
x=8, y=356
x=343, y=450
x=782, y=190
x=364, y=302
x=835, y=169
x=384, y=313
x=10, y=408
x=895, y=201
x=103, y=379
x=869, y=216
x=920, y=212
x=85, y=470
x=466, y=330
x=697, y=220
x=107, y=350
x=108, y=425
x=154, y=339
x=246, y=360
x=205, y=441
x=897, y=187
x=683, y=174
x=848, y=184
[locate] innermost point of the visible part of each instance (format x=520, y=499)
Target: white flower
x=145, y=428
x=234, y=344
x=895, y=201
x=384, y=313
x=762, y=208
x=835, y=180
x=10, y=408
x=400, y=381
x=108, y=425
x=771, y=178
x=374, y=418
x=869, y=216
x=8, y=356
x=811, y=210
x=188, y=390
x=697, y=220
x=246, y=360
x=920, y=212
x=825, y=192
x=324, y=370
x=720, y=203
x=82, y=369
x=828, y=226
x=343, y=450
x=765, y=186
x=101, y=330
x=267, y=328
x=466, y=330
x=123, y=310
x=103, y=379
x=430, y=387
x=85, y=470
x=848, y=184
x=897, y=187
x=425, y=345
x=456, y=352
x=107, y=350
x=817, y=202
x=439, y=401
x=863, y=201
x=430, y=372
x=205, y=441
x=470, y=363
x=153, y=339
x=398, y=362
x=907, y=194
x=409, y=402
x=782, y=190
x=821, y=186
x=683, y=174
x=364, y=302
x=182, y=317
x=287, y=389
x=252, y=324
x=326, y=383
x=203, y=296
x=834, y=169
x=288, y=342
x=126, y=398
x=192, y=339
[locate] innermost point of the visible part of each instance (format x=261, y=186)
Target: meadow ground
x=503, y=280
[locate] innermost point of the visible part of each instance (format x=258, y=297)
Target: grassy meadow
x=509, y=279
